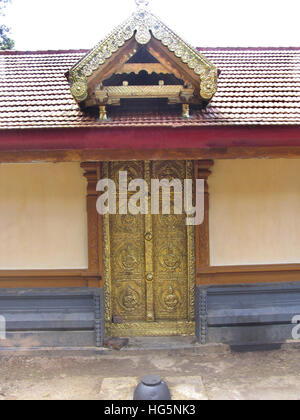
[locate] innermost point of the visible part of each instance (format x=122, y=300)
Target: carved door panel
x=170, y=255
x=148, y=261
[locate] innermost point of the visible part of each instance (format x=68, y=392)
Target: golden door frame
x=149, y=327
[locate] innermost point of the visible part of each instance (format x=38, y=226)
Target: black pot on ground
x=152, y=387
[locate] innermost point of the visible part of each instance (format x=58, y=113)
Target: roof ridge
x=247, y=48
x=40, y=52
x=84, y=51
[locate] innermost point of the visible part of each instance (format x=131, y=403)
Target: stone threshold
x=143, y=344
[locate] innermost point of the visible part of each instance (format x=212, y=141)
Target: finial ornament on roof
x=142, y=3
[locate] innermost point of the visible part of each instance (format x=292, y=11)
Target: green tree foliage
x=6, y=43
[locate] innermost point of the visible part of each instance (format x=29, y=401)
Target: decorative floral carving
x=208, y=85
x=143, y=25
x=171, y=298
x=134, y=329
x=169, y=257
x=129, y=299
x=79, y=90
x=128, y=258
x=157, y=281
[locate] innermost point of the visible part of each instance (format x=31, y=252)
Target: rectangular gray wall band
x=64, y=314
x=256, y=313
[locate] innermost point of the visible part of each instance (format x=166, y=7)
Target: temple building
x=145, y=102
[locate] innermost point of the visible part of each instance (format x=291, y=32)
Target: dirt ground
x=225, y=373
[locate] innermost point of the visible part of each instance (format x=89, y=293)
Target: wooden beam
x=94, y=221
x=105, y=155
x=126, y=136
x=112, y=64
x=202, y=171
x=173, y=63
x=138, y=67
x=11, y=279
x=244, y=274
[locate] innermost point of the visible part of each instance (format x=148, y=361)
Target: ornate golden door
x=148, y=262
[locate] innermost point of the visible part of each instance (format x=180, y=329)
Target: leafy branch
x=6, y=43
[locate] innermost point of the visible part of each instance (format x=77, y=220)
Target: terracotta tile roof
x=257, y=86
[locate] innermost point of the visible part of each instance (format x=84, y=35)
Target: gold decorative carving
x=130, y=299
x=127, y=223
x=102, y=113
x=149, y=277
x=168, y=170
x=79, y=88
x=127, y=257
x=169, y=221
x=171, y=252
x=149, y=269
x=113, y=94
x=135, y=329
x=208, y=86
x=149, y=252
x=148, y=236
x=169, y=257
x=171, y=298
x=143, y=25
x=191, y=254
x=185, y=110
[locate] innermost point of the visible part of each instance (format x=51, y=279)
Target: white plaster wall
x=42, y=216
x=255, y=211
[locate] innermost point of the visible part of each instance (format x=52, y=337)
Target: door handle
x=149, y=277
x=148, y=236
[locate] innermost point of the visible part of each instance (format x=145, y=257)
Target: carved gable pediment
x=143, y=59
